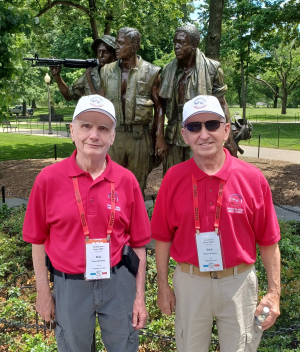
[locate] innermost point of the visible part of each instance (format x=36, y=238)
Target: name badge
x=209, y=251
x=97, y=259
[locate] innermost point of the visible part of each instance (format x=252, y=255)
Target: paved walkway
x=281, y=213
x=37, y=132
x=292, y=156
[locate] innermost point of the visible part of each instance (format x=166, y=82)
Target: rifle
x=71, y=63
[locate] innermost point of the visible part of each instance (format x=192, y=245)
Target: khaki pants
x=231, y=300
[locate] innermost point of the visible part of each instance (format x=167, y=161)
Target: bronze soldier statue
x=89, y=82
x=132, y=85
x=188, y=75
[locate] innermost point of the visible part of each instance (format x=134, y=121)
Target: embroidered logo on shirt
x=199, y=103
x=116, y=197
x=235, y=200
x=96, y=101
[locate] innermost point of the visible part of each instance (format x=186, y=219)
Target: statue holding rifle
x=89, y=82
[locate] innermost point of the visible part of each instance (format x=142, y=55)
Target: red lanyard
x=82, y=213
x=218, y=207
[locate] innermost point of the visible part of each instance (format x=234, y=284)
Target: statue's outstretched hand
x=55, y=70
x=161, y=148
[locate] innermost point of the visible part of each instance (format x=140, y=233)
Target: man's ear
x=184, y=135
x=72, y=131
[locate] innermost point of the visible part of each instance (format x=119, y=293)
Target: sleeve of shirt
x=159, y=222
x=219, y=87
x=139, y=230
x=35, y=229
x=266, y=227
x=76, y=90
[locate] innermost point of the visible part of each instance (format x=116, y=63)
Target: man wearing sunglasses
x=210, y=213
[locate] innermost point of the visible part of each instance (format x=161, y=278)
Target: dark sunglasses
x=211, y=125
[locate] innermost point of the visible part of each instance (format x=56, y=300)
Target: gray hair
x=134, y=35
x=192, y=32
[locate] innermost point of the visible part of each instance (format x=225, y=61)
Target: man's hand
x=161, y=147
x=139, y=313
x=270, y=300
x=55, y=70
x=166, y=300
x=45, y=306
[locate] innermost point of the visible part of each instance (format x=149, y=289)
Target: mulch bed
x=284, y=178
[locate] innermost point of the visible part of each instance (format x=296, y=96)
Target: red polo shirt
x=247, y=214
x=52, y=216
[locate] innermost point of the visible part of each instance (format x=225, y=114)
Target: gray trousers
x=76, y=305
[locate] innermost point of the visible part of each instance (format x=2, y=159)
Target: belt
x=130, y=127
x=79, y=276
x=186, y=268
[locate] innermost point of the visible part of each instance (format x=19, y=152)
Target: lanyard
x=196, y=205
x=82, y=213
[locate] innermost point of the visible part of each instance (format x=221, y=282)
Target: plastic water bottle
x=262, y=317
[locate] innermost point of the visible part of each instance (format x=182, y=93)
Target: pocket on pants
x=137, y=131
x=179, y=335
x=133, y=337
x=60, y=339
x=253, y=339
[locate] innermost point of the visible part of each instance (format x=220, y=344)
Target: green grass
x=18, y=147
x=268, y=114
x=289, y=135
x=65, y=111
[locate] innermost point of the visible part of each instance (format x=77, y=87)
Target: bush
x=15, y=254
x=15, y=257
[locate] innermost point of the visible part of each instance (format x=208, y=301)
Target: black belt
x=78, y=276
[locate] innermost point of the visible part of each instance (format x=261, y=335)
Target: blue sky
x=194, y=15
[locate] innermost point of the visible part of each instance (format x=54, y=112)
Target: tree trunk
x=243, y=92
x=213, y=38
x=276, y=97
x=284, y=102
x=184, y=11
x=108, y=19
x=53, y=112
x=92, y=7
x=239, y=92
x=275, y=102
x=24, y=113
x=33, y=104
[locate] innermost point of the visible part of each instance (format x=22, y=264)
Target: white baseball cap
x=95, y=103
x=200, y=105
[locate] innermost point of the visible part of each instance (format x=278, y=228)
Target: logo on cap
x=199, y=103
x=96, y=101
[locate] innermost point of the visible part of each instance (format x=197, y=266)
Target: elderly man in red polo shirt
x=209, y=214
x=87, y=213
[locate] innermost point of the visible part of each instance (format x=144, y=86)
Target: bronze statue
x=89, y=82
x=132, y=85
x=188, y=75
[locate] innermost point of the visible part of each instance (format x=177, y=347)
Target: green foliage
x=15, y=254
x=290, y=291
x=14, y=24
x=35, y=343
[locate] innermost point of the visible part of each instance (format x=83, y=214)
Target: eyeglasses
x=211, y=125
